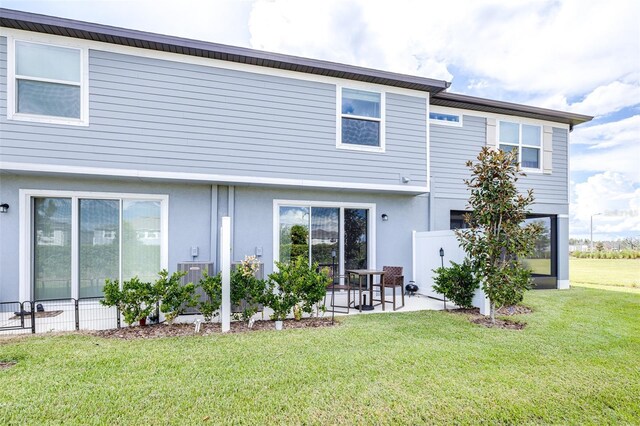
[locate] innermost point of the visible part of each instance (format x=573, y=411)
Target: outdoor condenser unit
x=194, y=272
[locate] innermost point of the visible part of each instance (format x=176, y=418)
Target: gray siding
x=451, y=147
x=151, y=114
x=189, y=218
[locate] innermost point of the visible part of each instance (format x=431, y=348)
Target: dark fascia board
x=141, y=39
x=455, y=100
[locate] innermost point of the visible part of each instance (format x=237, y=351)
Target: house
x=142, y=142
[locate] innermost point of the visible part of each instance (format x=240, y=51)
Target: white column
x=225, y=268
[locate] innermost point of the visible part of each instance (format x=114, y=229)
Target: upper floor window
x=361, y=123
x=445, y=119
x=47, y=84
x=525, y=139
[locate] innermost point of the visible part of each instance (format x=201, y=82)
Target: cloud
x=625, y=132
x=615, y=200
x=603, y=100
x=538, y=47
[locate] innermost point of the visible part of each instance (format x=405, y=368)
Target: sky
x=580, y=56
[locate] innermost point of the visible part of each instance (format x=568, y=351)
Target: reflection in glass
x=531, y=135
x=360, y=132
x=540, y=260
x=325, y=232
x=509, y=132
x=361, y=103
x=294, y=233
x=46, y=61
x=530, y=157
x=43, y=98
x=355, y=239
x=99, y=245
x=141, y=238
x=52, y=248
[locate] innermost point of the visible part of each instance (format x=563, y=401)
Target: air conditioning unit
x=194, y=272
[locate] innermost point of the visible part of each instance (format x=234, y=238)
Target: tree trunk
x=492, y=311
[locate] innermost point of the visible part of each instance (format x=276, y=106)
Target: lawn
x=605, y=272
x=577, y=362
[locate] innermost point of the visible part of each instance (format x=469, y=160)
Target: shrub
x=212, y=287
x=136, y=300
x=247, y=291
x=295, y=285
x=457, y=283
x=174, y=297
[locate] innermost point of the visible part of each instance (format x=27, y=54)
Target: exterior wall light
x=405, y=179
x=385, y=217
x=4, y=207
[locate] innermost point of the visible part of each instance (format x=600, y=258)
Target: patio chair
x=334, y=286
x=393, y=279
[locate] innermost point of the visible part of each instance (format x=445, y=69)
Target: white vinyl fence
x=426, y=258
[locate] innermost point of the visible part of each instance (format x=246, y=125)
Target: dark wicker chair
x=332, y=288
x=393, y=279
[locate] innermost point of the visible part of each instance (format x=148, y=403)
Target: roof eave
x=456, y=100
x=114, y=35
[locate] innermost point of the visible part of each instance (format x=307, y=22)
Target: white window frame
x=436, y=110
x=12, y=77
x=520, y=145
x=339, y=116
x=371, y=226
x=26, y=231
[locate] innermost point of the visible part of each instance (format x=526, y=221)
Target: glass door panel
x=99, y=245
x=325, y=236
x=540, y=260
x=355, y=238
x=52, y=248
x=141, y=239
x=294, y=233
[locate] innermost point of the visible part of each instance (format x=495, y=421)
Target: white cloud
x=625, y=132
x=615, y=200
x=568, y=47
x=603, y=100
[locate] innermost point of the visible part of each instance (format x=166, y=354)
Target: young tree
x=496, y=239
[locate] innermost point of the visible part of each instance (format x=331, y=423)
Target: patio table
x=368, y=275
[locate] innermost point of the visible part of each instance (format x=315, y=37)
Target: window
x=445, y=119
x=360, y=123
x=525, y=139
x=542, y=262
x=47, y=83
x=318, y=231
x=456, y=219
x=78, y=240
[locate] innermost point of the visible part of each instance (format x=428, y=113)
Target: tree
x=496, y=240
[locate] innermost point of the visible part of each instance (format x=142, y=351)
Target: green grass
x=577, y=362
x=605, y=272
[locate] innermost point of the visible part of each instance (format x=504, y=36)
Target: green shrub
x=136, y=300
x=174, y=297
x=295, y=285
x=247, y=291
x=212, y=287
x=457, y=283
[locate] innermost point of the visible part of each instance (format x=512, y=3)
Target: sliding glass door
x=78, y=242
x=99, y=254
x=324, y=234
x=52, y=248
x=355, y=238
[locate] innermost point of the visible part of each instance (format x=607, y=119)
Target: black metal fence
x=38, y=316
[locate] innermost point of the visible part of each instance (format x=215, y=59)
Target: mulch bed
x=172, y=330
x=4, y=365
x=42, y=314
x=514, y=310
x=500, y=323
x=476, y=318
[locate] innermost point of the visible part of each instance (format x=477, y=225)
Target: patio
x=89, y=314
